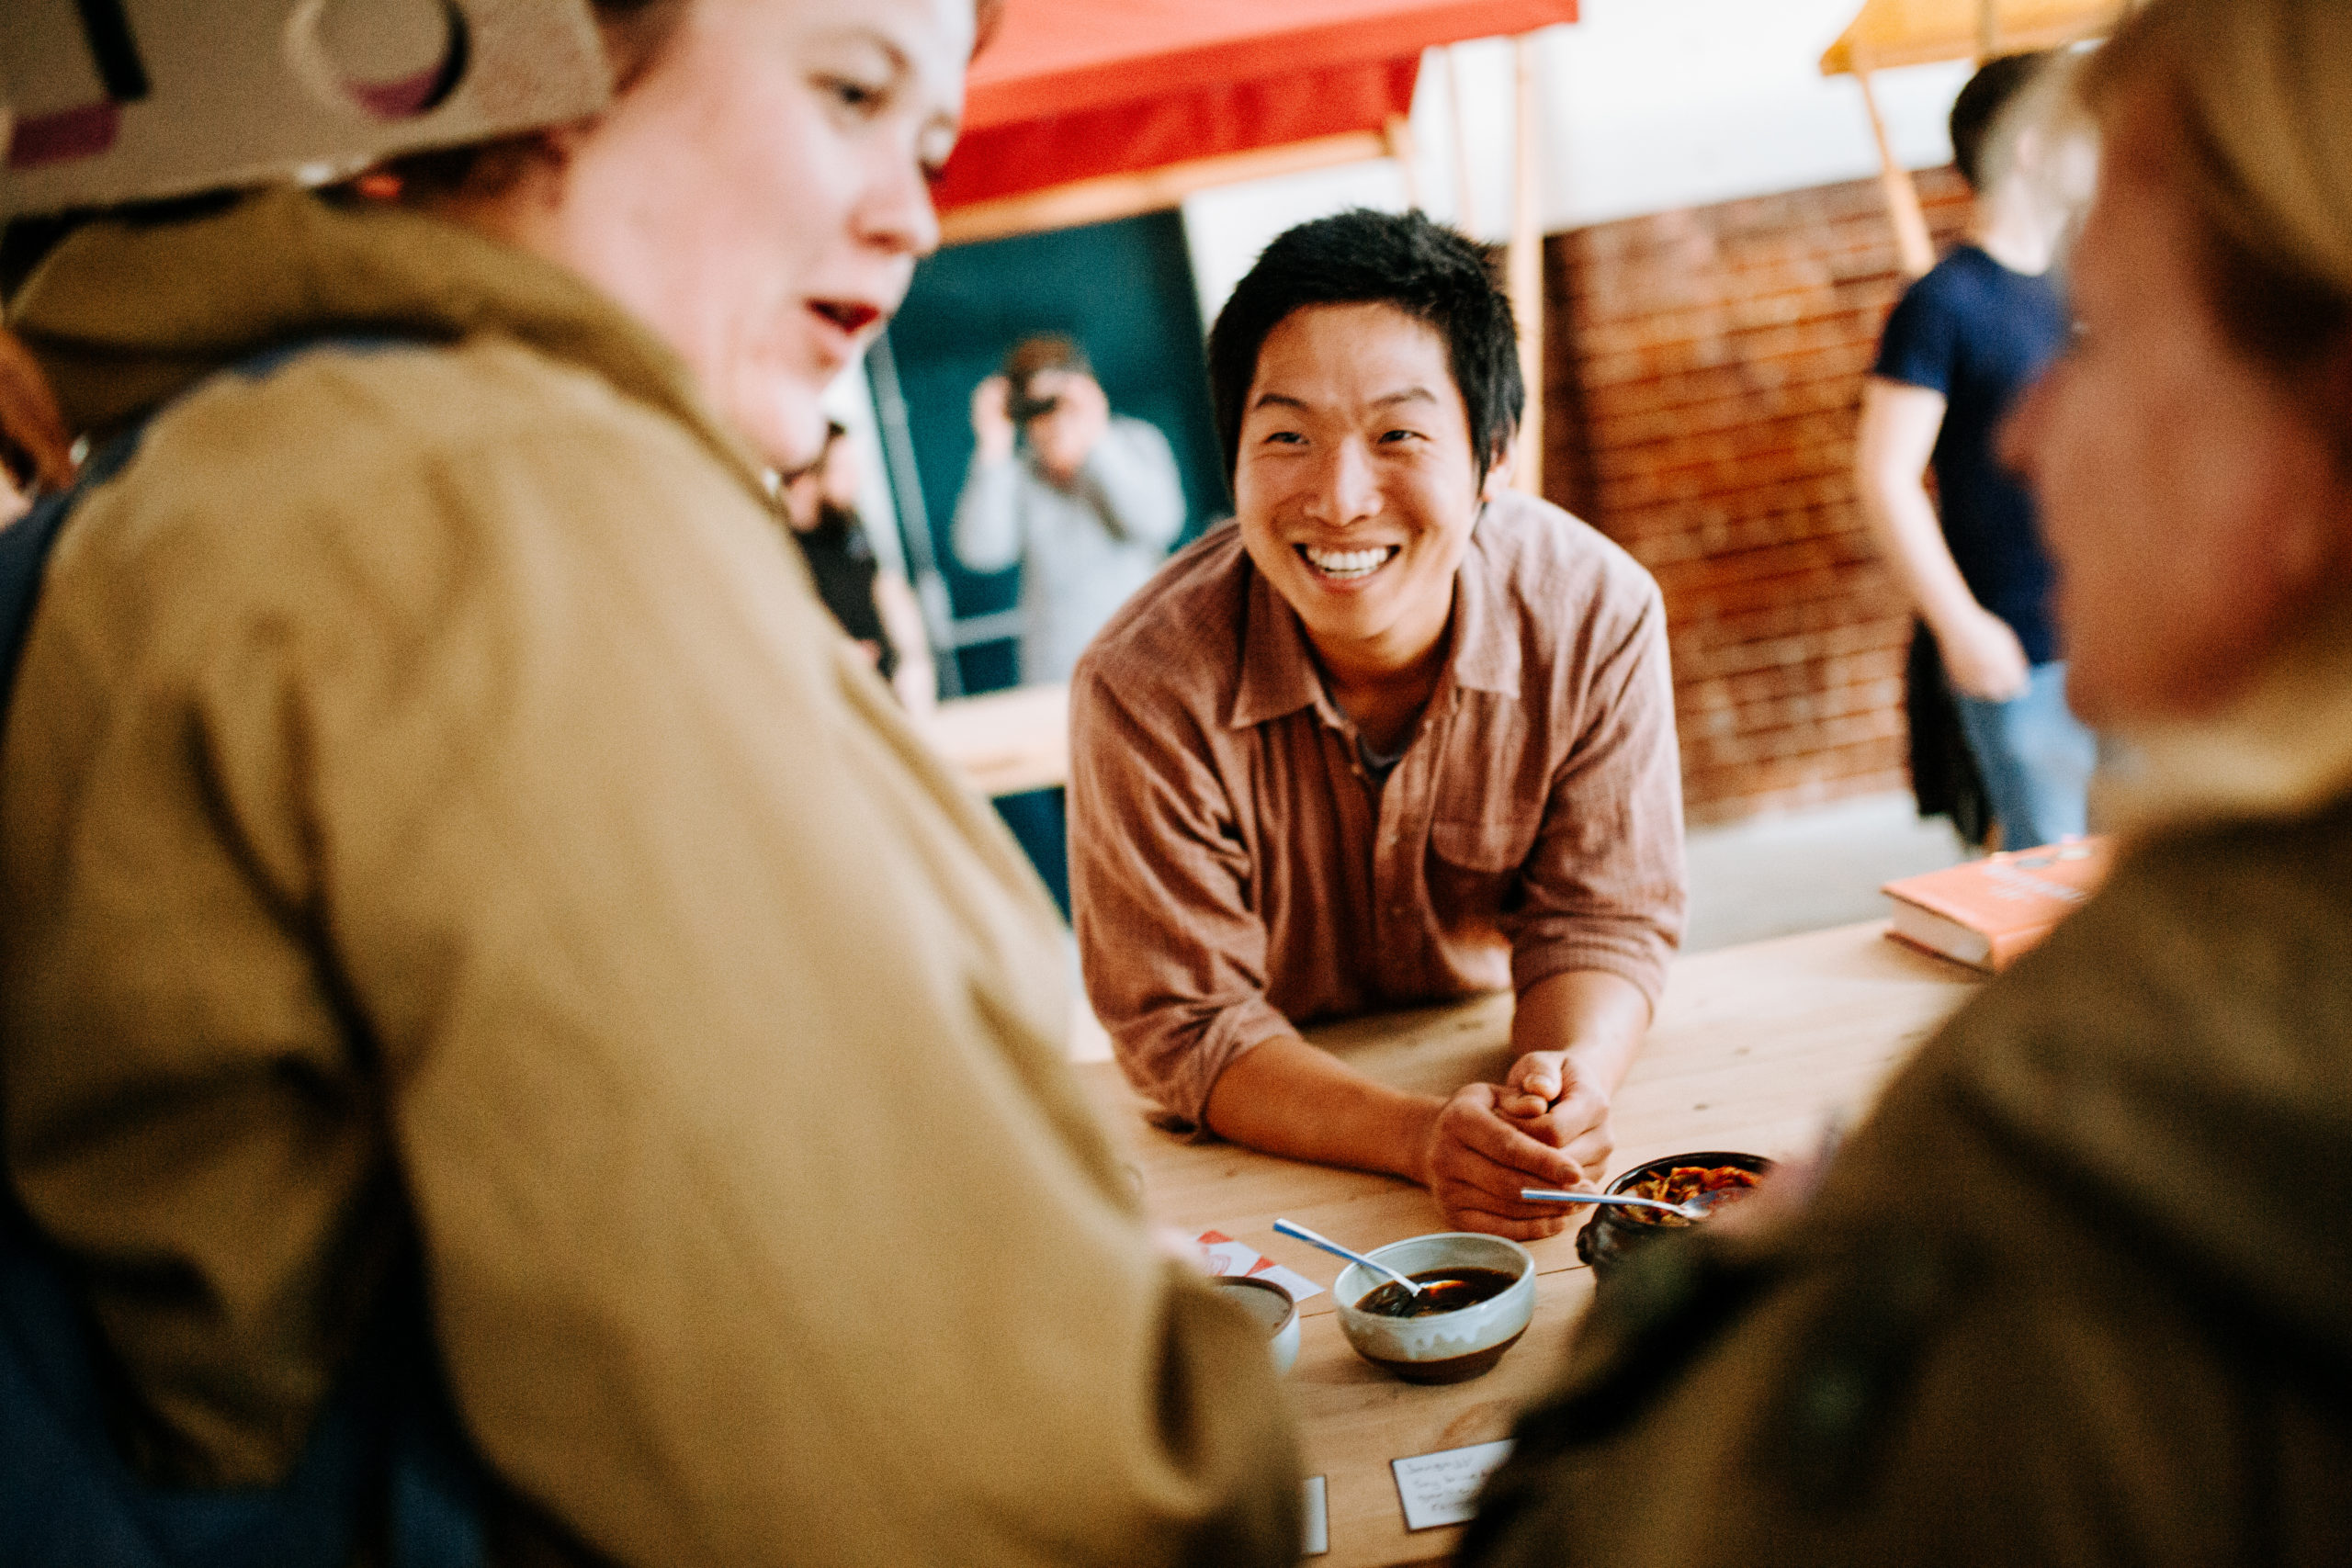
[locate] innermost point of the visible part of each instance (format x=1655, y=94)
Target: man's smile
x=1346, y=565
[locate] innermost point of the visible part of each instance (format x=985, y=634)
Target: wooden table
x=1005, y=742
x=1754, y=1048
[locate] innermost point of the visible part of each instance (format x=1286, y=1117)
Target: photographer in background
x=1086, y=501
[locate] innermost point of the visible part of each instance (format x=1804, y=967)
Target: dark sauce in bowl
x=1447, y=1290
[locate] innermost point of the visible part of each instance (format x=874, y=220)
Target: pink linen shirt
x=1235, y=875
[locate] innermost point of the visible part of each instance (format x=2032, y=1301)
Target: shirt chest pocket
x=1490, y=847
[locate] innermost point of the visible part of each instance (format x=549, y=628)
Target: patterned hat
x=104, y=102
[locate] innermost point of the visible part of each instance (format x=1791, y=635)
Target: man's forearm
x=1596, y=1017
x=1904, y=523
x=1896, y=439
x=1289, y=1098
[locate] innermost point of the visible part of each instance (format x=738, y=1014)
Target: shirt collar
x=1278, y=671
x=1486, y=628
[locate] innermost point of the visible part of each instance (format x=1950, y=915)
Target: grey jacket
x=1082, y=550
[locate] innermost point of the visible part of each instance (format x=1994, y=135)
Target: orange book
x=1987, y=911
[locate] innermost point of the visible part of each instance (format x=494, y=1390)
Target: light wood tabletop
x=1005, y=742
x=1755, y=1048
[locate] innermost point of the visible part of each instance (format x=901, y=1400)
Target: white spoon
x=1291, y=1228
x=1691, y=1211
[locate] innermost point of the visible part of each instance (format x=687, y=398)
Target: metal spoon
x=1291, y=1228
x=1691, y=1211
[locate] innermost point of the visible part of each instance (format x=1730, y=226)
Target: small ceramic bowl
x=1446, y=1346
x=1272, y=1306
x=1612, y=1232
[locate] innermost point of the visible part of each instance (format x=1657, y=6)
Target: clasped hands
x=1546, y=1124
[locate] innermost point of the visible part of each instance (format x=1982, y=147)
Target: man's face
x=1356, y=485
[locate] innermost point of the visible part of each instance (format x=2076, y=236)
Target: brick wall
x=1704, y=374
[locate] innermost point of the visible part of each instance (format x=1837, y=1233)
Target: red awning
x=1071, y=89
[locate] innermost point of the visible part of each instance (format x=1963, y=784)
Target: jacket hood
x=126, y=313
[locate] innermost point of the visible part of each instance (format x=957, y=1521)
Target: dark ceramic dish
x=1613, y=1232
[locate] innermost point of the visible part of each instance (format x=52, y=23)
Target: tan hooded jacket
x=464, y=700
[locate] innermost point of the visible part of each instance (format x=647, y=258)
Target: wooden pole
x=1916, y=251
x=1988, y=29
x=1525, y=271
x=1398, y=132
x=1466, y=195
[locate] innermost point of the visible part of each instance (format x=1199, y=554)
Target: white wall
x=1648, y=106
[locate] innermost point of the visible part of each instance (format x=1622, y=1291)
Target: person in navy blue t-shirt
x=1966, y=340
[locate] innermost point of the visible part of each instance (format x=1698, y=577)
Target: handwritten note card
x=1227, y=1256
x=1317, y=1535
x=1442, y=1488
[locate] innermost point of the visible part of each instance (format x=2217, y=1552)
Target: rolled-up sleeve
x=1603, y=887
x=1174, y=955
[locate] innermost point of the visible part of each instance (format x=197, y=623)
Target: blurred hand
x=1554, y=1103
x=991, y=422
x=1476, y=1159
x=1983, y=658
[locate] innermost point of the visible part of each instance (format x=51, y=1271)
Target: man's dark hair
x=1425, y=269
x=1980, y=103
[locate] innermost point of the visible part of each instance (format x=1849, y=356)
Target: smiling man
x=1396, y=735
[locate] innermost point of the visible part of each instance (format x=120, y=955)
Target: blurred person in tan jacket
x=439, y=815
x=2081, y=1290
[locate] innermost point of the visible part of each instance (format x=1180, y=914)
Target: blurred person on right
x=2081, y=1291
x=1964, y=343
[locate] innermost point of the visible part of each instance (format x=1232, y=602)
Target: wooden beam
x=1398, y=132
x=1525, y=269
x=1148, y=190
x=1466, y=194
x=1912, y=246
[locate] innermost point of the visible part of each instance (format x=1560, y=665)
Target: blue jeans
x=2036, y=758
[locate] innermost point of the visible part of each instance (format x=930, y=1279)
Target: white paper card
x=1227, y=1256
x=1316, y=1539
x=1442, y=1488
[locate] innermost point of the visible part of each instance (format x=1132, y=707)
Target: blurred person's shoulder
x=1177, y=642
x=1139, y=431
x=350, y=438
x=1967, y=284
x=2194, y=1017
x=381, y=484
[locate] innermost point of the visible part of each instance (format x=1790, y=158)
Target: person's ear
x=1499, y=471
